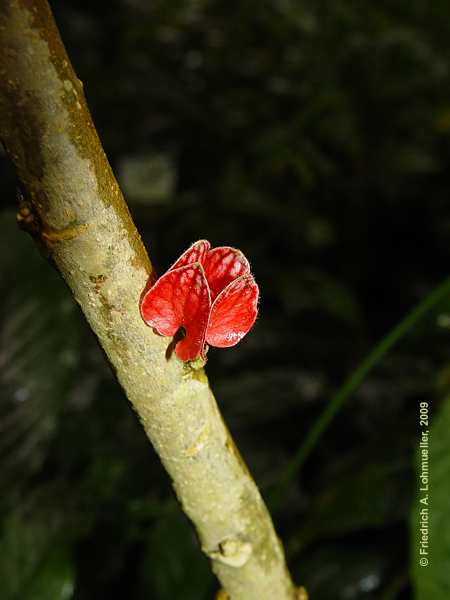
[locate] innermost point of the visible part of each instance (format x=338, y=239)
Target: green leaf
x=432, y=581
x=55, y=578
x=34, y=565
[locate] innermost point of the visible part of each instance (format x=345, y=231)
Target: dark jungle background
x=315, y=136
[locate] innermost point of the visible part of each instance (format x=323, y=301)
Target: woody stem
x=75, y=210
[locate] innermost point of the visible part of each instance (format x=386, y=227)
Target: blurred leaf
x=429, y=305
x=362, y=492
x=147, y=178
x=308, y=289
x=54, y=579
x=33, y=563
x=433, y=580
x=173, y=566
x=40, y=351
x=350, y=573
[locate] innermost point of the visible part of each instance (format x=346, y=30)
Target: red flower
x=210, y=293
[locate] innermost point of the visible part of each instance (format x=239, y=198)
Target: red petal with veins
x=196, y=253
x=180, y=298
x=233, y=312
x=222, y=265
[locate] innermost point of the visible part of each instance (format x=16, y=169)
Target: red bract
x=210, y=293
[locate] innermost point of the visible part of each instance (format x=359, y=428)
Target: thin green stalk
x=352, y=384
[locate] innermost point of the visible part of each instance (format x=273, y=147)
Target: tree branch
x=74, y=208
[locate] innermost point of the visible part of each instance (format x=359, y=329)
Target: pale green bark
x=74, y=208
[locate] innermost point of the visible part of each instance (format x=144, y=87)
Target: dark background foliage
x=315, y=136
